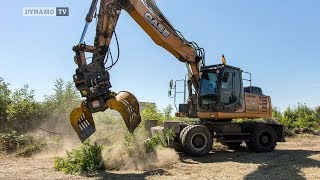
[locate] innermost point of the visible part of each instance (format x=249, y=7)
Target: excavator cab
x=220, y=88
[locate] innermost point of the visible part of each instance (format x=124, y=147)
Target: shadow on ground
x=280, y=164
x=110, y=175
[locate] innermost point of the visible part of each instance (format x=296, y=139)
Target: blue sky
x=277, y=41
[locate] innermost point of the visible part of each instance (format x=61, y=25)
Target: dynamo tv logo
x=45, y=11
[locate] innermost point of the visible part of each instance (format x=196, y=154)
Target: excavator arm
x=93, y=80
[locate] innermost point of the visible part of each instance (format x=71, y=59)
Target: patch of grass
x=85, y=159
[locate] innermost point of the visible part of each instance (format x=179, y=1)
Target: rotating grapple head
x=124, y=102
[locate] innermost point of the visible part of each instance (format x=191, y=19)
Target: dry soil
x=298, y=158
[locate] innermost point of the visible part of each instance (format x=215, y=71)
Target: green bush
x=153, y=142
x=159, y=139
x=167, y=111
x=4, y=100
x=300, y=116
x=85, y=159
x=22, y=144
x=18, y=109
x=21, y=112
x=24, y=112
x=168, y=135
x=151, y=112
x=12, y=141
x=64, y=99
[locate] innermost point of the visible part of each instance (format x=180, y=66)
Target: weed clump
x=22, y=144
x=12, y=141
x=159, y=140
x=153, y=142
x=85, y=159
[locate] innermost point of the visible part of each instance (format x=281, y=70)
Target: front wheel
x=197, y=140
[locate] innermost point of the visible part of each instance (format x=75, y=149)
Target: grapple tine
x=82, y=122
x=128, y=106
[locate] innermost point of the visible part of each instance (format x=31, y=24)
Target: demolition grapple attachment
x=124, y=102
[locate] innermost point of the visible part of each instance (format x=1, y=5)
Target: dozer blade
x=82, y=122
x=127, y=105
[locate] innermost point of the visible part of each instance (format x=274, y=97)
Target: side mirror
x=170, y=94
x=171, y=84
x=225, y=77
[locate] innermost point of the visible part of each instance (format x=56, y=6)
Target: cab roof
x=218, y=66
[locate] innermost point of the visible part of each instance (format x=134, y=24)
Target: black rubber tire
x=197, y=140
x=263, y=139
x=233, y=145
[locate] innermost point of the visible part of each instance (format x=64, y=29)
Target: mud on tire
x=197, y=140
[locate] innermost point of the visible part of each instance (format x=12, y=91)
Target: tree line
x=20, y=111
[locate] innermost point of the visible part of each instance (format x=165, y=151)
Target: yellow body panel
x=254, y=106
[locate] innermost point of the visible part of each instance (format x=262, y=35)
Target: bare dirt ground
x=298, y=158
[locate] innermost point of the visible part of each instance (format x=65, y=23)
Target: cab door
x=230, y=89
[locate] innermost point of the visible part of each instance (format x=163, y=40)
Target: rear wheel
x=197, y=140
x=263, y=139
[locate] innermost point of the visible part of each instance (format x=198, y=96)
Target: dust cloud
x=125, y=151
x=121, y=150
x=58, y=135
x=133, y=156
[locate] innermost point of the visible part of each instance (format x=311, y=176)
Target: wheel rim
x=265, y=139
x=199, y=141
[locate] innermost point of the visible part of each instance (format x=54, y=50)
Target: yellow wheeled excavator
x=215, y=92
